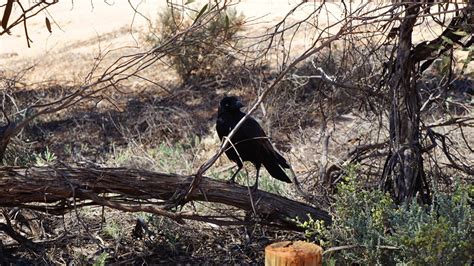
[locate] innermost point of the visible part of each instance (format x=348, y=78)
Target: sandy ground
x=84, y=30
x=77, y=22
x=81, y=30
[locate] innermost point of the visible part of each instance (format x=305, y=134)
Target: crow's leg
x=232, y=179
x=255, y=186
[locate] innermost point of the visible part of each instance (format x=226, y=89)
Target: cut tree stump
x=293, y=253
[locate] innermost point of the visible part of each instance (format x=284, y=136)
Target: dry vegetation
x=318, y=85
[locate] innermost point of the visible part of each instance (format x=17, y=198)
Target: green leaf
x=226, y=22
x=447, y=40
x=101, y=259
x=433, y=46
x=189, y=2
x=460, y=33
x=203, y=9
x=468, y=59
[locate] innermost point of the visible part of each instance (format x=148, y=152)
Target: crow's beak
x=239, y=105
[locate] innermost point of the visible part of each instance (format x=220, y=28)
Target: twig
x=339, y=248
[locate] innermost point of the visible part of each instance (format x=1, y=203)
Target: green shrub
x=46, y=158
x=101, y=260
x=361, y=218
x=376, y=231
x=113, y=230
x=437, y=234
x=206, y=50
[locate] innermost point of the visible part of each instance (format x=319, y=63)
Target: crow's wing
x=251, y=129
x=269, y=157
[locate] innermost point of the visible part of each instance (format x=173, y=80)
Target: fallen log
x=57, y=190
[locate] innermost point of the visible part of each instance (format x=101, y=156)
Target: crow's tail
x=281, y=161
x=275, y=170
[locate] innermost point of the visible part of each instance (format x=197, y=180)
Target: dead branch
x=58, y=190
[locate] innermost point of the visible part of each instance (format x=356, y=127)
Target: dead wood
x=58, y=190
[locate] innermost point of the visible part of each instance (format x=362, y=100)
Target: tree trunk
x=58, y=190
x=403, y=173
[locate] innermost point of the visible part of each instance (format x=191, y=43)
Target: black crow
x=250, y=143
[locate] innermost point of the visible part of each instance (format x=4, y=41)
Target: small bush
x=204, y=51
x=376, y=231
x=441, y=233
x=113, y=230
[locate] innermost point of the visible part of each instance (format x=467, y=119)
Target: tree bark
x=58, y=190
x=403, y=173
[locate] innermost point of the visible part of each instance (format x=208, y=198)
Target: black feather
x=250, y=143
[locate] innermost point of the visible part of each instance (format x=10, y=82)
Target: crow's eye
x=226, y=105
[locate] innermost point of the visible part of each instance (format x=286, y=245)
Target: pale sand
x=85, y=30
